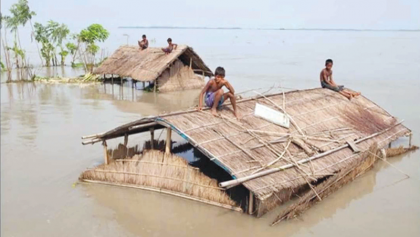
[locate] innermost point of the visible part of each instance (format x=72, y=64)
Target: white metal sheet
x=272, y=115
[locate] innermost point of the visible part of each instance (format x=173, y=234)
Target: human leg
x=232, y=99
x=217, y=98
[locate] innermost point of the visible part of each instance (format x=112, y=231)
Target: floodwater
x=42, y=155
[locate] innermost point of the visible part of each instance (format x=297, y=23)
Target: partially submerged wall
x=158, y=171
x=179, y=77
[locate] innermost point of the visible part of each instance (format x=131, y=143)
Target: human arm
x=332, y=82
x=175, y=46
x=203, y=91
x=230, y=87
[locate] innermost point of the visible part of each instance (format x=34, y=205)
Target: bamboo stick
x=168, y=141
x=125, y=139
x=327, y=167
x=274, y=161
x=251, y=203
x=409, y=139
x=233, y=183
x=238, y=209
x=152, y=137
x=106, y=155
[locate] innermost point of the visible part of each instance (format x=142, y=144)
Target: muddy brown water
x=42, y=155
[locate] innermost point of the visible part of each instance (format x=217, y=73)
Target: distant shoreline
x=240, y=28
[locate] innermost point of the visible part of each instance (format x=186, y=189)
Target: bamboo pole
x=152, y=137
x=235, y=182
x=106, y=156
x=168, y=141
x=125, y=140
x=409, y=139
x=251, y=203
x=154, y=86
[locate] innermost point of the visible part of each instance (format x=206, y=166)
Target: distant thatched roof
x=326, y=120
x=148, y=65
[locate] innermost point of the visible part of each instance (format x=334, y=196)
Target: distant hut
x=182, y=69
x=329, y=141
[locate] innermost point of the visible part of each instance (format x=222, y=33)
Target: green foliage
x=77, y=65
x=21, y=14
x=92, y=49
x=2, y=66
x=18, y=52
x=94, y=33
x=63, y=54
x=71, y=47
x=41, y=36
x=56, y=32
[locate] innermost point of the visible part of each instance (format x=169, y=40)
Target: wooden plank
x=353, y=146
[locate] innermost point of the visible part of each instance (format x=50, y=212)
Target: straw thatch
x=157, y=170
x=149, y=64
x=314, y=147
x=179, y=77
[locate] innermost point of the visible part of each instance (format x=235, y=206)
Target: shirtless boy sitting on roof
x=215, y=95
x=328, y=82
x=144, y=43
x=170, y=47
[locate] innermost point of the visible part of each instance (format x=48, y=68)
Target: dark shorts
x=167, y=50
x=210, y=99
x=334, y=88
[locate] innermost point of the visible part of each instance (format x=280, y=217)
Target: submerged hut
x=320, y=136
x=182, y=69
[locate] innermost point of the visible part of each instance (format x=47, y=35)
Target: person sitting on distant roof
x=144, y=43
x=328, y=82
x=215, y=95
x=170, y=47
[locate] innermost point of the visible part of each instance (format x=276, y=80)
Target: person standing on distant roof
x=170, y=47
x=144, y=44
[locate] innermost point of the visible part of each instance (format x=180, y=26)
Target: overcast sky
x=330, y=14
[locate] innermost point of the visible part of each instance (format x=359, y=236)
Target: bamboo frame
x=235, y=182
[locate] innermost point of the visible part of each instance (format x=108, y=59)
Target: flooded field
x=42, y=156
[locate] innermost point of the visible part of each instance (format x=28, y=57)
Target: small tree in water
x=89, y=36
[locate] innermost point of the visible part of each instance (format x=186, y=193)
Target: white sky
x=329, y=14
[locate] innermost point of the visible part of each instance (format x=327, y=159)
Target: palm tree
x=57, y=33
x=21, y=14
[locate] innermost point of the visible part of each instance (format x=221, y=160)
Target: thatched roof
x=326, y=119
x=148, y=65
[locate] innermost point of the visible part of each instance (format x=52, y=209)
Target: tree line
x=55, y=39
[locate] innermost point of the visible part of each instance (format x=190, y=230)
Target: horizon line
x=257, y=28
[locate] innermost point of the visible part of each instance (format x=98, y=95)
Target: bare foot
x=214, y=112
x=236, y=115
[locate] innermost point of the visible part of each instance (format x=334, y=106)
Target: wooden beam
x=168, y=140
x=106, y=156
x=154, y=86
